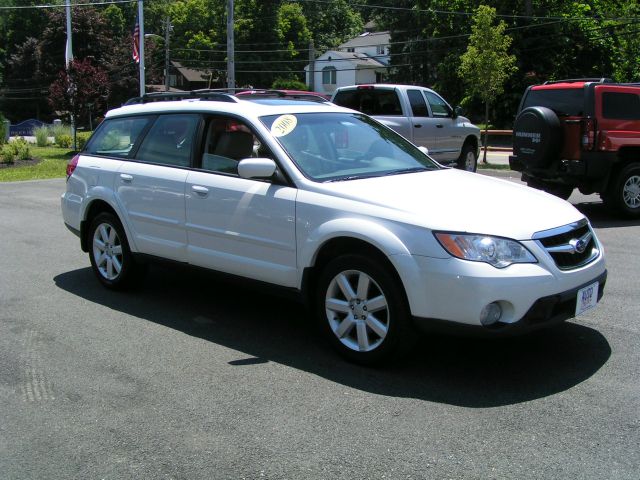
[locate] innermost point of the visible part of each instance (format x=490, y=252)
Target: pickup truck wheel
x=362, y=311
x=109, y=253
x=624, y=193
x=468, y=159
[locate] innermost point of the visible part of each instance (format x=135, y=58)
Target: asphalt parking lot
x=191, y=377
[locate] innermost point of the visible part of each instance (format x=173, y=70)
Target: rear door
x=618, y=111
x=151, y=188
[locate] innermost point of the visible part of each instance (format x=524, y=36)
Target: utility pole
x=312, y=67
x=231, y=66
x=167, y=33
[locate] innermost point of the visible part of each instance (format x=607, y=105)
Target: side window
x=226, y=142
x=386, y=103
x=170, y=140
x=329, y=75
x=622, y=106
x=439, y=107
x=116, y=137
x=418, y=105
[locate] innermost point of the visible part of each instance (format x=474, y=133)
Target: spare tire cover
x=537, y=136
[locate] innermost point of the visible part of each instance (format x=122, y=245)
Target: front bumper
x=545, y=312
x=456, y=291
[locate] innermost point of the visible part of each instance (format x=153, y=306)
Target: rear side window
x=370, y=101
x=170, y=140
x=563, y=101
x=116, y=137
x=622, y=106
x=418, y=105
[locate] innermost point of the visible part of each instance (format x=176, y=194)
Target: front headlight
x=496, y=251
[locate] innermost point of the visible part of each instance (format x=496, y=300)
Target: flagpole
x=68, y=58
x=141, y=47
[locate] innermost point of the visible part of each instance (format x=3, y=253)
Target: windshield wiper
x=350, y=177
x=407, y=170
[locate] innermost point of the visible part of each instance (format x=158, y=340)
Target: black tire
x=537, y=137
x=623, y=194
x=107, y=228
x=366, y=338
x=468, y=159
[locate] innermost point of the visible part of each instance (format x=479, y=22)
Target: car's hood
x=456, y=200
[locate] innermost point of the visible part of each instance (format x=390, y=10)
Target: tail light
x=71, y=166
x=588, y=133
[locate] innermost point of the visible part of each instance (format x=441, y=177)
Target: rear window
x=370, y=101
x=564, y=102
x=622, y=106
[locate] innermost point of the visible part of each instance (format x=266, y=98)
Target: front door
x=235, y=225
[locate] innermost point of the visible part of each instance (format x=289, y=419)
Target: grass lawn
x=53, y=165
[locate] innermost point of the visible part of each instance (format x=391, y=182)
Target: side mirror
x=256, y=168
x=457, y=112
x=424, y=150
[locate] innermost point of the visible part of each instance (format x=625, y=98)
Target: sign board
x=25, y=128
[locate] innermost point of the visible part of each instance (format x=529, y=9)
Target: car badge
x=579, y=245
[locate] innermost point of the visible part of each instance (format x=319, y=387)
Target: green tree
x=487, y=64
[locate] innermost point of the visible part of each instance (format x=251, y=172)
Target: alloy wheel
x=107, y=251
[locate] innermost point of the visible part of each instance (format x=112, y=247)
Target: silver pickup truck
x=420, y=115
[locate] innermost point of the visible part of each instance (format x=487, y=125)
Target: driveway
x=190, y=376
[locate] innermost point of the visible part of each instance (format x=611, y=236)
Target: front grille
x=570, y=246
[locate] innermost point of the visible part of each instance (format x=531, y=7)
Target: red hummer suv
x=581, y=133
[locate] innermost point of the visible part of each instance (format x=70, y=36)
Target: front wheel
x=468, y=159
x=624, y=193
x=109, y=252
x=362, y=311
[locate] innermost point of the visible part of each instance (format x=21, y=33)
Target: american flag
x=136, y=42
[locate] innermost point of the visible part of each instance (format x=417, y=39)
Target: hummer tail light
x=588, y=133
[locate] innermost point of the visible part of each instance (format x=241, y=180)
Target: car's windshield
x=345, y=146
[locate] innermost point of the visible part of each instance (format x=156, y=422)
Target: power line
x=90, y=4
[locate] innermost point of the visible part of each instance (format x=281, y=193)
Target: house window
x=380, y=50
x=329, y=75
x=351, y=49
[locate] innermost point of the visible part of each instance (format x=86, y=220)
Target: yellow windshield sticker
x=283, y=125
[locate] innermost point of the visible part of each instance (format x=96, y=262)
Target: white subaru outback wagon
x=329, y=203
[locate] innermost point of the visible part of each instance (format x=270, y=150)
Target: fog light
x=490, y=314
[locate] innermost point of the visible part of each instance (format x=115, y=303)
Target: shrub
x=289, y=84
x=42, y=136
x=82, y=138
x=6, y=154
x=64, y=140
x=21, y=149
x=57, y=130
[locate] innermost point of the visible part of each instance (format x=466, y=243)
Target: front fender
x=373, y=233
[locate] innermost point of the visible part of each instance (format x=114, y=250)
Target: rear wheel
x=362, y=311
x=109, y=252
x=624, y=193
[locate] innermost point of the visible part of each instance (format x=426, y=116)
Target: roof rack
x=206, y=94
x=271, y=93
x=573, y=80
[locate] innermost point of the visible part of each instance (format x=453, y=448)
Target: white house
x=363, y=59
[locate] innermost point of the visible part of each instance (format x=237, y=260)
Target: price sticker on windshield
x=283, y=125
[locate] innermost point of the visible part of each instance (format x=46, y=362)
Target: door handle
x=202, y=191
x=418, y=125
x=125, y=177
x=439, y=125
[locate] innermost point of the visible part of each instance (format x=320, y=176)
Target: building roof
x=359, y=59
x=191, y=74
x=368, y=39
